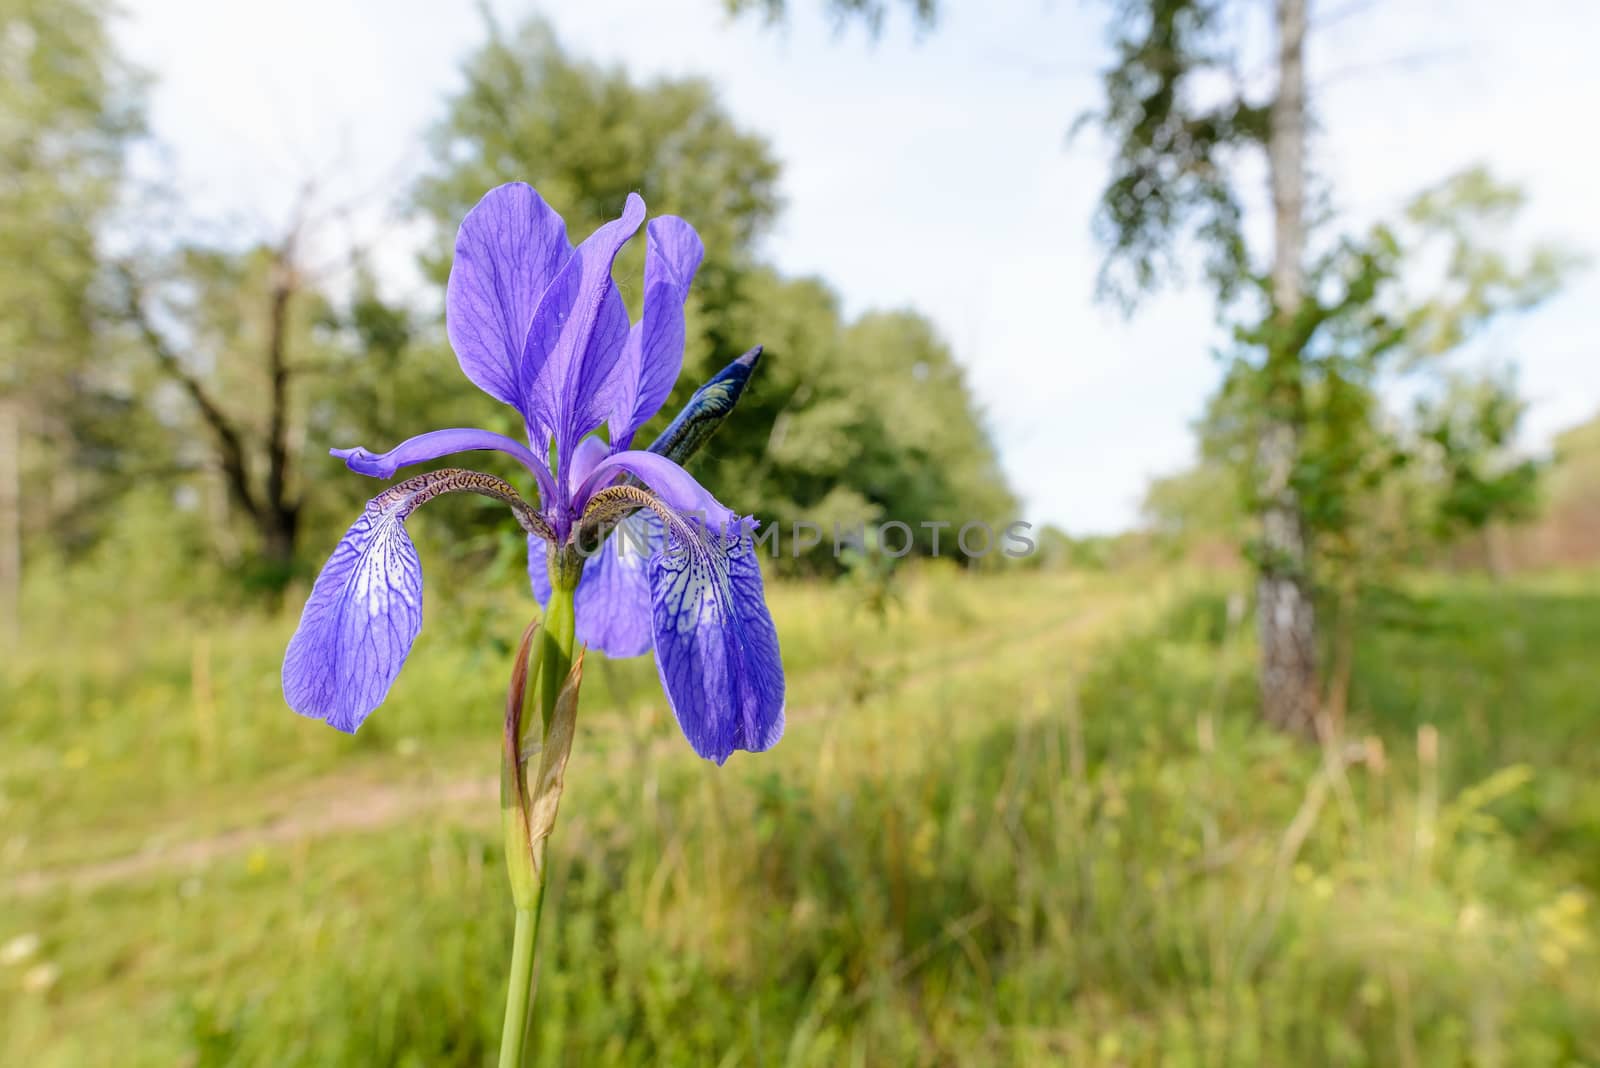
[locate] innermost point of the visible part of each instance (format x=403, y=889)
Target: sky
x=932, y=170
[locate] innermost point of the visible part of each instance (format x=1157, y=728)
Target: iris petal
x=361, y=619
x=716, y=648
x=576, y=338
x=585, y=457
x=612, y=604
x=676, y=487
x=508, y=249
x=653, y=355
x=439, y=443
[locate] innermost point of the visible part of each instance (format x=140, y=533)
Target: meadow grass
x=1021, y=819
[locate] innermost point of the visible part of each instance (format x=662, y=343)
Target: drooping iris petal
x=359, y=623
x=675, y=486
x=576, y=338
x=612, y=603
x=653, y=355
x=432, y=446
x=508, y=249
x=716, y=648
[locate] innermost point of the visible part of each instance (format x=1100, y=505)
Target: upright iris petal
x=653, y=355
x=576, y=338
x=508, y=249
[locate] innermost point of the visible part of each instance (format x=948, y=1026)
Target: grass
x=1508, y=675
x=1027, y=819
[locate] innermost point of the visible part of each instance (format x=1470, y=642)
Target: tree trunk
x=1286, y=615
x=280, y=516
x=279, y=529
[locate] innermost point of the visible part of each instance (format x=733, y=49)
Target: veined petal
x=613, y=598
x=716, y=648
x=508, y=249
x=653, y=355
x=576, y=338
x=359, y=623
x=675, y=486
x=438, y=443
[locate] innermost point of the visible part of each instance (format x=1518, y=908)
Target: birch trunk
x=1287, y=617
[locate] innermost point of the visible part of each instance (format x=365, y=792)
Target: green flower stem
x=553, y=658
x=519, y=996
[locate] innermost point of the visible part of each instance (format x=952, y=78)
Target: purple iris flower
x=539, y=325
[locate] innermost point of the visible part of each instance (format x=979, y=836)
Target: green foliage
x=1473, y=428
x=1576, y=475
x=1567, y=529
x=855, y=424
x=586, y=136
x=1471, y=214
x=1475, y=658
x=845, y=423
x=1375, y=488
x=1196, y=505
x=223, y=371
x=69, y=108
x=1172, y=150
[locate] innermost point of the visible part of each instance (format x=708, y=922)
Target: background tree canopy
x=70, y=108
x=235, y=364
x=844, y=422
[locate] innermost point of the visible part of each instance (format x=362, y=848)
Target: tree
x=586, y=136
x=1317, y=326
x=843, y=423
x=1472, y=431
x=857, y=423
x=1374, y=489
x=1298, y=414
x=1173, y=177
x=234, y=332
x=71, y=107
